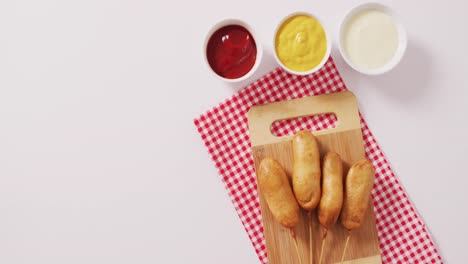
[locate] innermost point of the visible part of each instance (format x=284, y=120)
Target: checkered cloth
x=402, y=234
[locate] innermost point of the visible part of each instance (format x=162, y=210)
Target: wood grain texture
x=348, y=143
x=342, y=104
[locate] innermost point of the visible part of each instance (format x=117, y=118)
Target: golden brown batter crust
x=332, y=190
x=306, y=171
x=358, y=187
x=274, y=185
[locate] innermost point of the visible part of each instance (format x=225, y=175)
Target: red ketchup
x=231, y=51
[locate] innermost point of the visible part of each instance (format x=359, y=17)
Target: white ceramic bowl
x=258, y=58
x=402, y=38
x=327, y=52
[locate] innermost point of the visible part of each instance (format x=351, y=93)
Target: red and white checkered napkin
x=402, y=234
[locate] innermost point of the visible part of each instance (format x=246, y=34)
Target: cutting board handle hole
x=288, y=127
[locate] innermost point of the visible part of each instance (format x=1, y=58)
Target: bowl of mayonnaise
x=372, y=39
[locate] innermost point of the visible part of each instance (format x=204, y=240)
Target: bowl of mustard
x=302, y=45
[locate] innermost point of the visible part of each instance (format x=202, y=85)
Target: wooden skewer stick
x=345, y=246
x=293, y=236
x=309, y=214
x=325, y=231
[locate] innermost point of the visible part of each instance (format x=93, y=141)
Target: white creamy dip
x=370, y=39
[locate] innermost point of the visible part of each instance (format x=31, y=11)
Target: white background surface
x=100, y=161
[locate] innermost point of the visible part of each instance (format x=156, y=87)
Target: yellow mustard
x=301, y=43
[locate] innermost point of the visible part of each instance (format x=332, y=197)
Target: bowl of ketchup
x=232, y=51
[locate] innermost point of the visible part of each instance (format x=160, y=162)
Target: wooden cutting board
x=345, y=139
